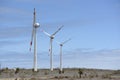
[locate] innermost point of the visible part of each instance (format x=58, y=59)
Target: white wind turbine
x=50, y=50
x=61, y=45
x=0, y=68
x=35, y=26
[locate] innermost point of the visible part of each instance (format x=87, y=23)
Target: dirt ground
x=67, y=74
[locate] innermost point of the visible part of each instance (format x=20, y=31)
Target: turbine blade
x=34, y=17
x=34, y=20
x=49, y=48
x=46, y=33
x=57, y=42
x=66, y=41
x=32, y=38
x=57, y=30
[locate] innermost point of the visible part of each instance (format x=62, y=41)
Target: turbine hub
x=36, y=25
x=61, y=44
x=52, y=37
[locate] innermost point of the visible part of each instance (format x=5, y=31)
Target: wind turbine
x=50, y=49
x=35, y=26
x=61, y=45
x=0, y=68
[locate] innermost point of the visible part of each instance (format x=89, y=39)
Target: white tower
x=61, y=45
x=35, y=26
x=50, y=50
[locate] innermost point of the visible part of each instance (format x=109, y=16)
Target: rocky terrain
x=67, y=74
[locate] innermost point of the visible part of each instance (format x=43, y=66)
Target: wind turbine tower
x=61, y=45
x=35, y=26
x=50, y=49
x=0, y=67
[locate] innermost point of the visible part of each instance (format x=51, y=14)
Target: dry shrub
x=33, y=79
x=106, y=76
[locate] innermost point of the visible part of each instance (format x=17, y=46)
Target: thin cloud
x=91, y=59
x=8, y=42
x=14, y=16
x=13, y=32
x=101, y=59
x=7, y=10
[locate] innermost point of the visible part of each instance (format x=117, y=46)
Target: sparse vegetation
x=71, y=79
x=5, y=70
x=96, y=75
x=46, y=73
x=56, y=77
x=70, y=74
x=66, y=77
x=33, y=79
x=117, y=72
x=91, y=76
x=0, y=71
x=60, y=72
x=75, y=76
x=17, y=70
x=80, y=72
x=32, y=70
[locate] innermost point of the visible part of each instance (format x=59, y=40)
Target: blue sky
x=93, y=26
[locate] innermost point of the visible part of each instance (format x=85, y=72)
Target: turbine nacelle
x=61, y=44
x=52, y=37
x=36, y=25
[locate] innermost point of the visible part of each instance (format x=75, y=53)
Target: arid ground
x=67, y=74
